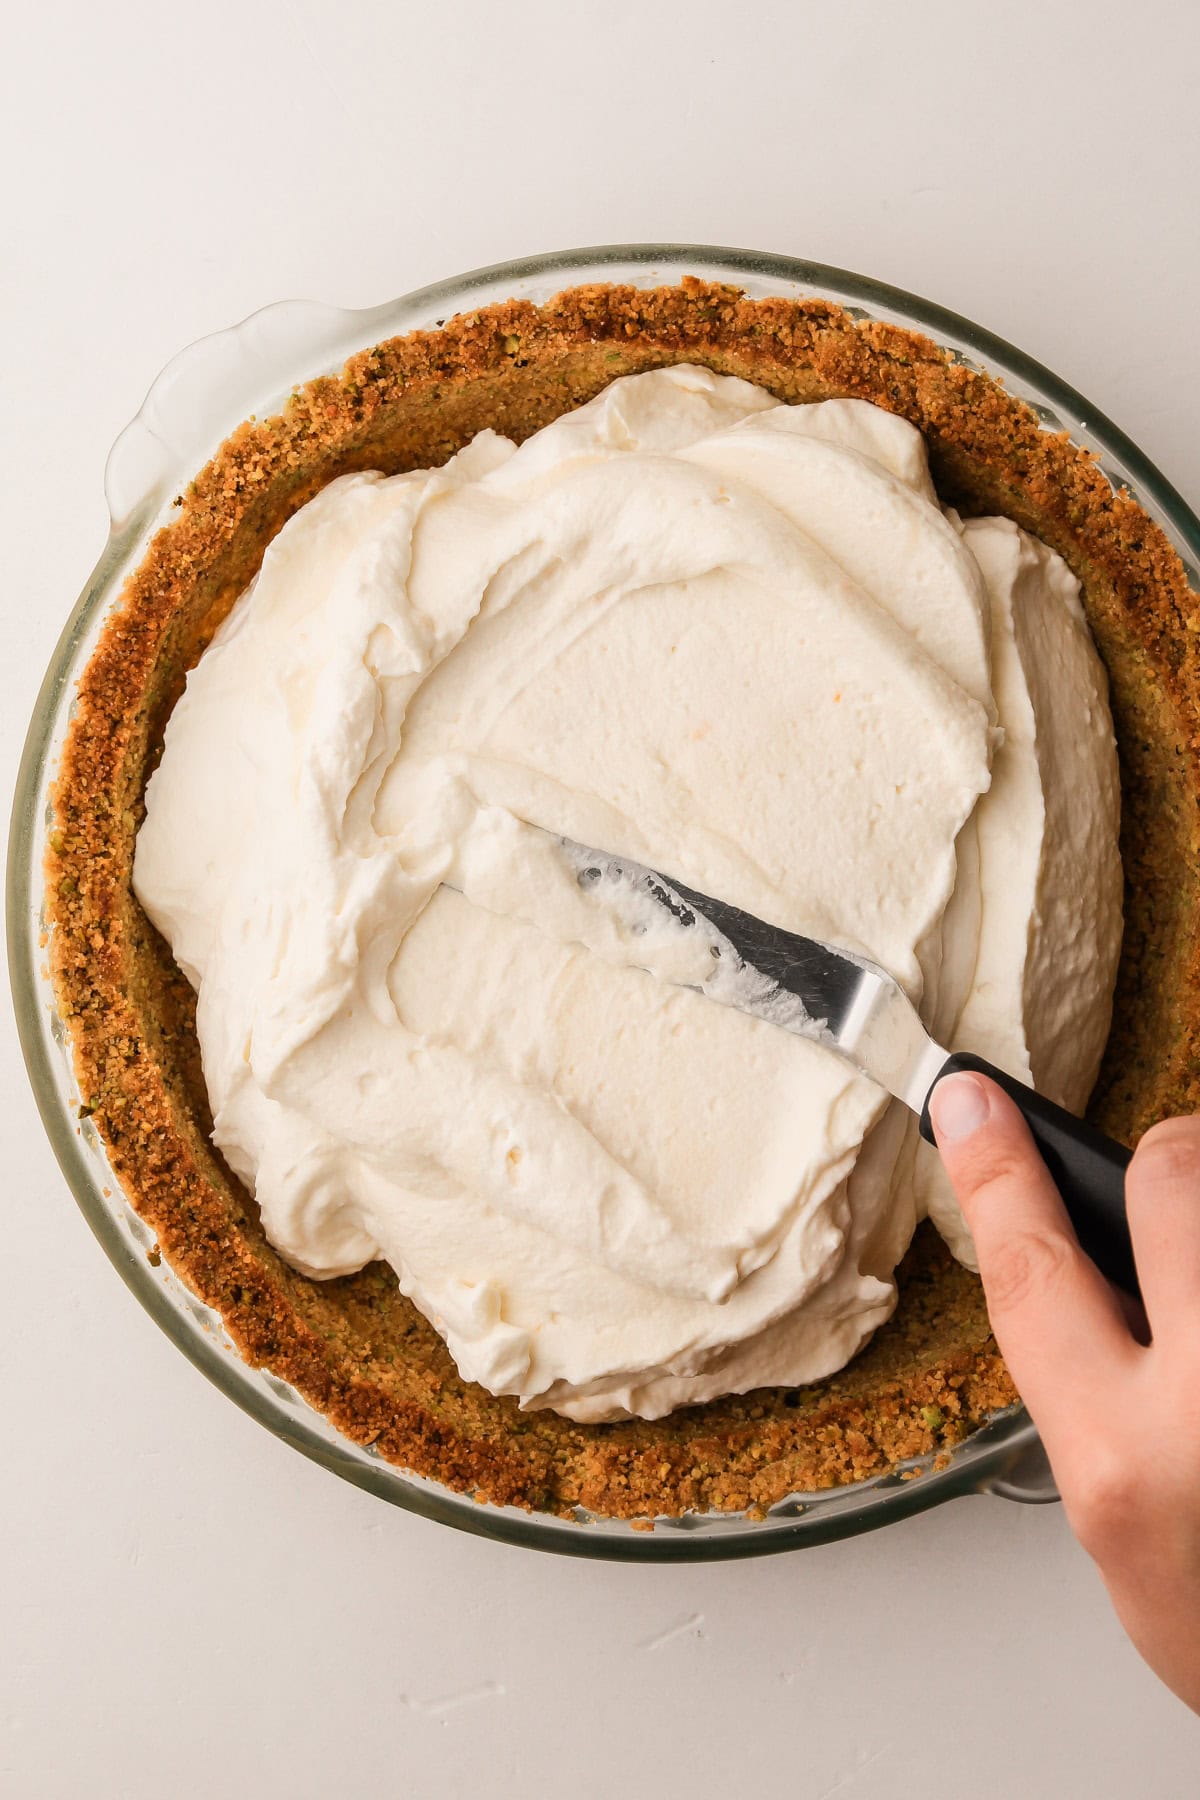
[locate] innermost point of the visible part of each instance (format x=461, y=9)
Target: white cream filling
x=739, y=641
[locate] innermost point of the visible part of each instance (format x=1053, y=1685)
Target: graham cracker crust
x=354, y=1347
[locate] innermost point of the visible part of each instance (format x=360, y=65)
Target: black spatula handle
x=1088, y=1168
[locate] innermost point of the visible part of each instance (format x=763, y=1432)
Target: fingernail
x=958, y=1106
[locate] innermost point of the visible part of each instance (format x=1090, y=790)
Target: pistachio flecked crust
x=355, y=1347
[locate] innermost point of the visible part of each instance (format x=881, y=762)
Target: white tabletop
x=189, y=1606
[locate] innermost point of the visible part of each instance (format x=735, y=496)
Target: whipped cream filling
x=739, y=641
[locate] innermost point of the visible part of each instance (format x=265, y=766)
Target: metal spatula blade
x=799, y=983
x=856, y=1008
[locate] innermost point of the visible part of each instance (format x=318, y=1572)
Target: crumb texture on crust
x=355, y=1348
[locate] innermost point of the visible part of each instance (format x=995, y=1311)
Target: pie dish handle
x=205, y=391
x=1026, y=1477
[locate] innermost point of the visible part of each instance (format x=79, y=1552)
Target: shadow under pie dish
x=354, y=1348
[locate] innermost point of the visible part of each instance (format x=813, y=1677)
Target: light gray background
x=190, y=1607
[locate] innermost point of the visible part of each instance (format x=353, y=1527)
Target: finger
x=1162, y=1194
x=1055, y=1317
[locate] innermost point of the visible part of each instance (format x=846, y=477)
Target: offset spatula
x=857, y=1009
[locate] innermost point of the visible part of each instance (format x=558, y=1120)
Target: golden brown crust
x=354, y=1347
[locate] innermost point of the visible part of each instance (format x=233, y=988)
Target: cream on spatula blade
x=858, y=1010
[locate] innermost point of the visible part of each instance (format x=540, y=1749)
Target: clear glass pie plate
x=198, y=399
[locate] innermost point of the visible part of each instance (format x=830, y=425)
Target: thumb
x=1055, y=1317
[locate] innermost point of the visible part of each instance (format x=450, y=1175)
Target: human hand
x=1117, y=1405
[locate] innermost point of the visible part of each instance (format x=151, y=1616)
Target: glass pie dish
x=197, y=400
